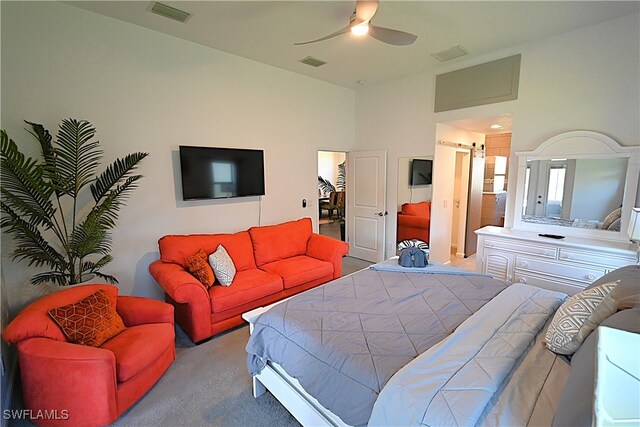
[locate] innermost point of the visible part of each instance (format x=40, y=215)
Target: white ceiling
x=265, y=31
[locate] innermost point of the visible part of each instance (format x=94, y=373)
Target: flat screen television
x=421, y=171
x=220, y=173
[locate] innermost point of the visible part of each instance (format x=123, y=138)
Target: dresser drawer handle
x=591, y=276
x=523, y=263
x=569, y=257
x=522, y=280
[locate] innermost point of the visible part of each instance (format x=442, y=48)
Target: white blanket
x=452, y=383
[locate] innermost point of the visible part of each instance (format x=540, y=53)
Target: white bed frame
x=304, y=407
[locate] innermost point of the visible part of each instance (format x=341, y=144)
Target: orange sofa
x=80, y=385
x=414, y=220
x=272, y=262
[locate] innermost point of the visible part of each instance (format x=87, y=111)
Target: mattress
x=343, y=341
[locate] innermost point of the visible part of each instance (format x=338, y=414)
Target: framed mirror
x=413, y=217
x=578, y=183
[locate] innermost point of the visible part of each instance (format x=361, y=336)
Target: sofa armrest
x=178, y=283
x=68, y=377
x=413, y=221
x=141, y=311
x=328, y=249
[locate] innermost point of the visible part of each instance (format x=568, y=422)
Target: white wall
x=585, y=79
x=146, y=91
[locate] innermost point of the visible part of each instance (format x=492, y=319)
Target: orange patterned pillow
x=90, y=321
x=199, y=266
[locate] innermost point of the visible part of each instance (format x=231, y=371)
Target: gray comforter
x=343, y=341
x=452, y=383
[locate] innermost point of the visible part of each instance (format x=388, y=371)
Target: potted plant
x=326, y=186
x=46, y=209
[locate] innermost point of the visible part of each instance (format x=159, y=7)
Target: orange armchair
x=414, y=220
x=90, y=386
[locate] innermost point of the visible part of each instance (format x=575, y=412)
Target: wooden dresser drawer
x=591, y=258
x=523, y=248
x=579, y=273
x=568, y=287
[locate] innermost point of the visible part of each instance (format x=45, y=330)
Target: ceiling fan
x=360, y=24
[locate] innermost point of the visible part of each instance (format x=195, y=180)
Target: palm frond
x=31, y=245
x=22, y=184
x=57, y=277
x=77, y=156
x=48, y=153
x=114, y=173
x=325, y=185
x=106, y=212
x=341, y=180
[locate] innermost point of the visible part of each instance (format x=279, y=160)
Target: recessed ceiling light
x=496, y=126
x=362, y=82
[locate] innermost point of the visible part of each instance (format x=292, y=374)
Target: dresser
x=567, y=265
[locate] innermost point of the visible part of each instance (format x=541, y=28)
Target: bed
x=360, y=350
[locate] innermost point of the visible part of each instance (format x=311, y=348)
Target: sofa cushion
x=90, y=321
x=247, y=286
x=276, y=242
x=199, y=267
x=177, y=248
x=222, y=266
x=422, y=209
x=300, y=269
x=138, y=347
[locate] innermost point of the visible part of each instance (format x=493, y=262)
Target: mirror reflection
x=414, y=198
x=584, y=193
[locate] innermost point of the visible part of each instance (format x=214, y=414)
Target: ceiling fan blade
x=337, y=33
x=394, y=37
x=365, y=9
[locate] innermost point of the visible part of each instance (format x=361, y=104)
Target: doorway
x=331, y=194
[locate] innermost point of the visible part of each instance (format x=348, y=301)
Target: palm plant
x=42, y=202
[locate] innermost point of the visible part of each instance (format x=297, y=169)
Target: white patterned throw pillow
x=578, y=316
x=222, y=265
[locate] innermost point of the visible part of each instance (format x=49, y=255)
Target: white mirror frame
x=581, y=145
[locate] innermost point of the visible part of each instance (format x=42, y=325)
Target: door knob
x=382, y=213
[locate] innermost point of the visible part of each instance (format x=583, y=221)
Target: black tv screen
x=220, y=173
x=421, y=170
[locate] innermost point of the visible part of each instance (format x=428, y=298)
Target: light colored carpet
x=208, y=385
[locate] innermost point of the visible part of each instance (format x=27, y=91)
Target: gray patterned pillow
x=578, y=316
x=222, y=266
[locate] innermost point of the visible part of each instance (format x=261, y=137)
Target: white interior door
x=366, y=201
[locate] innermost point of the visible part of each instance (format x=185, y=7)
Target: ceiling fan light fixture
x=360, y=29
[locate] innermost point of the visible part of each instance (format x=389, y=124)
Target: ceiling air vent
x=451, y=53
x=170, y=12
x=314, y=62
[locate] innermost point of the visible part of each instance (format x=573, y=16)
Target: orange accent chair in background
x=272, y=262
x=90, y=386
x=414, y=220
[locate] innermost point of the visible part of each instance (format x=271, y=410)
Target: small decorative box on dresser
x=567, y=265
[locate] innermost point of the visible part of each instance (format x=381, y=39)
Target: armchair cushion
x=90, y=321
x=276, y=242
x=300, y=269
x=248, y=285
x=138, y=347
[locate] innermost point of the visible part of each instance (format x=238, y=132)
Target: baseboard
x=460, y=255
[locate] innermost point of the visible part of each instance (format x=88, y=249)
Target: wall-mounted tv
x=220, y=173
x=421, y=171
